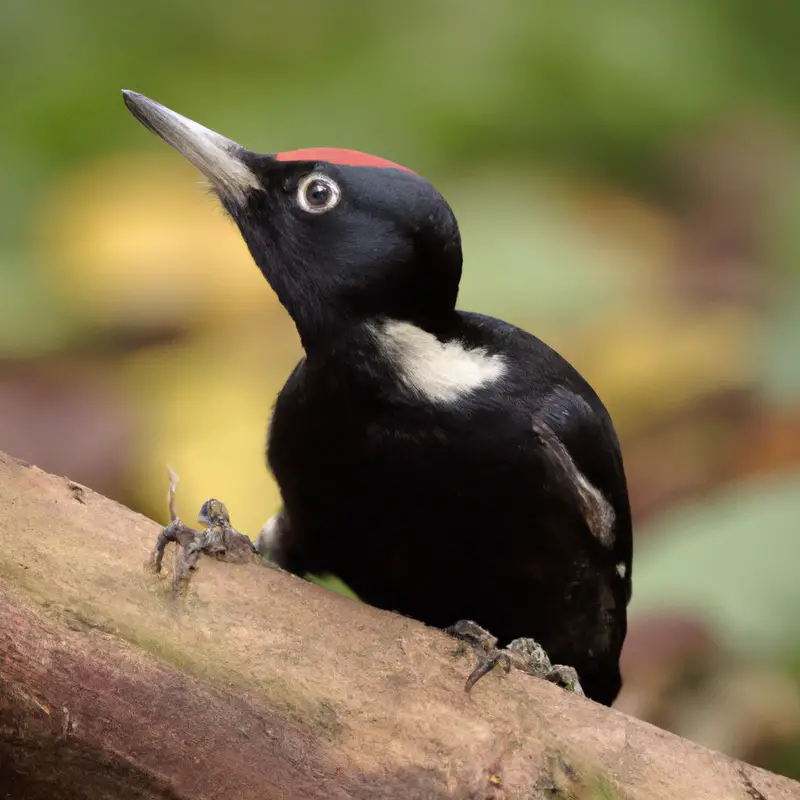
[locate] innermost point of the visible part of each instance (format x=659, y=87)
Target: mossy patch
x=334, y=584
x=568, y=778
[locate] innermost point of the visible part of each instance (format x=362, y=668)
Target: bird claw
x=526, y=655
x=469, y=632
x=219, y=540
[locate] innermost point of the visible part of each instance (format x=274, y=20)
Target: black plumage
x=444, y=464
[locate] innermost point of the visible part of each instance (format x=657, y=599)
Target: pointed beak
x=220, y=159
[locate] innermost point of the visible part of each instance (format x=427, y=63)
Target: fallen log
x=257, y=684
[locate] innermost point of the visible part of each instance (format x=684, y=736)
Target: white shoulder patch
x=441, y=372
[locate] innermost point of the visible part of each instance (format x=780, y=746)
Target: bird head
x=341, y=236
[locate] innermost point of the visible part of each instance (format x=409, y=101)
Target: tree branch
x=260, y=685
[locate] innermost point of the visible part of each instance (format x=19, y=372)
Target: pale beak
x=220, y=159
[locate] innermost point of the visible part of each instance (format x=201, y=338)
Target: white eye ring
x=314, y=180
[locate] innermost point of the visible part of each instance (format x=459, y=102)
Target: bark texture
x=257, y=684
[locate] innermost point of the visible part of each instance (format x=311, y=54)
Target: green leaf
x=732, y=559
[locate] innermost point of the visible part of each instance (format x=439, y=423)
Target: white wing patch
x=597, y=511
x=603, y=517
x=441, y=372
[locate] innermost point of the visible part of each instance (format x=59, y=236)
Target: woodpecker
x=446, y=465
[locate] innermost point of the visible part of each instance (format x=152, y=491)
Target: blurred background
x=627, y=179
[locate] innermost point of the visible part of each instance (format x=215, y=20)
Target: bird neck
x=319, y=321
x=325, y=302
x=439, y=323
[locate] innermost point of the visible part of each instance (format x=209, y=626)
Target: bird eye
x=318, y=193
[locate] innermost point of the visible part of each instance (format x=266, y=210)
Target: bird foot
x=219, y=541
x=526, y=655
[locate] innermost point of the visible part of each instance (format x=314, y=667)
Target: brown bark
x=260, y=685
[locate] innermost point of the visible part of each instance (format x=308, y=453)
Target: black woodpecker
x=445, y=464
